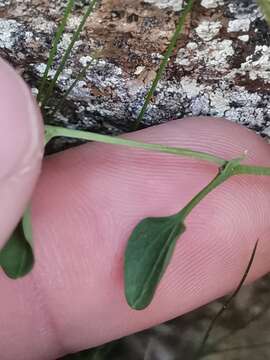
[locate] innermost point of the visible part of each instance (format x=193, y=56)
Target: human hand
x=88, y=200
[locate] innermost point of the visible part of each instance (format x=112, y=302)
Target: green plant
x=165, y=60
x=156, y=237
x=225, y=306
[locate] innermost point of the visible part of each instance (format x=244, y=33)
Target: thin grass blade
x=227, y=303
x=78, y=78
x=165, y=60
x=53, y=50
x=67, y=53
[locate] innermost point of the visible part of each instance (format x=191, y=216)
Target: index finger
x=87, y=203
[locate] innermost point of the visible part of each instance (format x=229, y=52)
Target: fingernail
x=20, y=124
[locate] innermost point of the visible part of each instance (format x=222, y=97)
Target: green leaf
x=265, y=6
x=16, y=257
x=148, y=253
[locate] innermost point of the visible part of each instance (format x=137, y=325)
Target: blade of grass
x=67, y=53
x=81, y=75
x=53, y=50
x=226, y=304
x=165, y=60
x=244, y=326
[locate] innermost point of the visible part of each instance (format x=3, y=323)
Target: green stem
x=227, y=303
x=232, y=168
x=165, y=61
x=66, y=55
x=252, y=170
x=53, y=131
x=236, y=167
x=81, y=75
x=53, y=50
x=223, y=174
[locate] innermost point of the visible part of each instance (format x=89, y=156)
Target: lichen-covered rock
x=220, y=66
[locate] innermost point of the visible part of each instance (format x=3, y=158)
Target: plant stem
x=224, y=173
x=165, y=61
x=227, y=303
x=235, y=169
x=81, y=75
x=53, y=50
x=251, y=170
x=66, y=55
x=53, y=131
x=232, y=168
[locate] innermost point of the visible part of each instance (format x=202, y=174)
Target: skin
x=85, y=204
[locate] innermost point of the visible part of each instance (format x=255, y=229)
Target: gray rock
x=220, y=66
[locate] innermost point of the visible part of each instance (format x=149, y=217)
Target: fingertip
x=21, y=147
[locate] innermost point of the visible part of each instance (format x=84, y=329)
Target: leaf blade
x=148, y=253
x=17, y=257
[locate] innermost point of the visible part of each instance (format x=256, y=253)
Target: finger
x=20, y=148
x=87, y=203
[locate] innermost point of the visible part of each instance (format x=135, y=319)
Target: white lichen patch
x=28, y=36
x=244, y=10
x=65, y=41
x=190, y=87
x=244, y=38
x=257, y=65
x=139, y=70
x=219, y=102
x=86, y=60
x=163, y=4
x=9, y=30
x=212, y=4
x=219, y=99
x=4, y=3
x=64, y=77
x=40, y=24
x=239, y=25
x=73, y=22
x=40, y=68
x=215, y=54
x=207, y=30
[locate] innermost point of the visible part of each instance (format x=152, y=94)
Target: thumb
x=20, y=148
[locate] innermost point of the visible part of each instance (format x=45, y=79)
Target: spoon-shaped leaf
x=16, y=257
x=148, y=253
